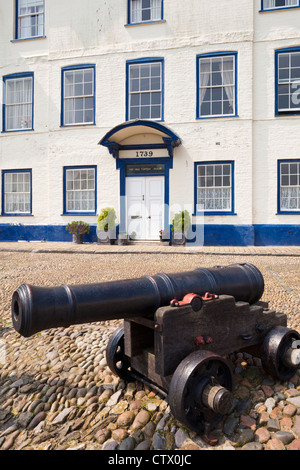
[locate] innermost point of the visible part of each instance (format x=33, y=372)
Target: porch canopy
x=140, y=134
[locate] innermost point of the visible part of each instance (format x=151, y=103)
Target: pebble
x=127, y=444
x=140, y=420
x=273, y=425
x=113, y=400
x=270, y=404
x=274, y=444
x=262, y=435
x=61, y=417
x=36, y=420
x=294, y=401
x=284, y=437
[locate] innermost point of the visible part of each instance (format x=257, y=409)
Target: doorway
x=145, y=206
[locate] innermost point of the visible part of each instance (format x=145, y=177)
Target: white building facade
x=151, y=107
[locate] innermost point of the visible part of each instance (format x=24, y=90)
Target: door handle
x=136, y=216
x=149, y=217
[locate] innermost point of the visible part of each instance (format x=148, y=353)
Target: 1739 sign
x=144, y=153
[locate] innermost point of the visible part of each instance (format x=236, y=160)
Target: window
x=78, y=95
x=141, y=11
x=277, y=4
x=216, y=84
x=18, y=102
x=289, y=186
x=16, y=192
x=214, y=188
x=80, y=190
x=30, y=19
x=288, y=81
x=145, y=90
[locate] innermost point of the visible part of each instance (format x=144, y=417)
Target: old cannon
x=178, y=329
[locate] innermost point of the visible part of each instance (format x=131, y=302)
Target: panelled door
x=145, y=206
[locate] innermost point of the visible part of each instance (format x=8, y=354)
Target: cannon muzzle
x=39, y=308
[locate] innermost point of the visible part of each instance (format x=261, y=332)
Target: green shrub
x=107, y=219
x=181, y=221
x=78, y=227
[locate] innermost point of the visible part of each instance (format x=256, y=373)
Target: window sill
x=144, y=23
x=218, y=117
x=62, y=126
x=17, y=215
x=28, y=39
x=213, y=213
x=288, y=213
x=279, y=9
x=287, y=114
x=17, y=130
x=77, y=214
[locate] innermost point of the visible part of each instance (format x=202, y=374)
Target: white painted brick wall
x=96, y=35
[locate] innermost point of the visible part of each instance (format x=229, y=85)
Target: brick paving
x=139, y=247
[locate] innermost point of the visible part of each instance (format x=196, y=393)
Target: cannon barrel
x=39, y=308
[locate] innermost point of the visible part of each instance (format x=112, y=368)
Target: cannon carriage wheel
x=115, y=356
x=200, y=390
x=280, y=353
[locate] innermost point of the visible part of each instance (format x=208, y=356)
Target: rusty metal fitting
x=217, y=398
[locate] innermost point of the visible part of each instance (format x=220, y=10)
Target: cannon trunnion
x=178, y=331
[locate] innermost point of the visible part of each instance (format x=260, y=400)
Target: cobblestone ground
x=56, y=391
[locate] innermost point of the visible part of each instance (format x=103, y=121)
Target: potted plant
x=132, y=235
x=180, y=225
x=123, y=239
x=106, y=227
x=78, y=229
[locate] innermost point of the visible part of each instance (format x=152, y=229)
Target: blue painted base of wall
x=277, y=235
x=213, y=235
x=246, y=235
x=47, y=233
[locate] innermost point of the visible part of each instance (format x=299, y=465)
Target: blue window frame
x=18, y=97
x=214, y=188
x=145, y=89
x=144, y=11
x=80, y=190
x=30, y=19
x=289, y=186
x=287, y=81
x=16, y=192
x=78, y=95
x=267, y=5
x=216, y=85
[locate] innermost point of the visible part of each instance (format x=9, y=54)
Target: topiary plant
x=181, y=221
x=107, y=219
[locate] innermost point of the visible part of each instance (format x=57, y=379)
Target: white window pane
x=17, y=191
x=18, y=108
x=79, y=97
x=145, y=91
x=216, y=86
x=214, y=188
x=273, y=4
x=145, y=10
x=80, y=194
x=30, y=18
x=288, y=82
x=290, y=186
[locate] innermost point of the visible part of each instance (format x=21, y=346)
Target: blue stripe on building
x=214, y=235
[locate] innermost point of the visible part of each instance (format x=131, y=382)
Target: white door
x=145, y=206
